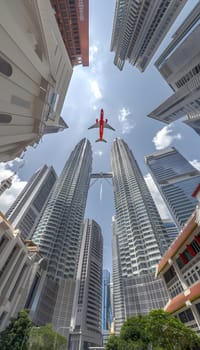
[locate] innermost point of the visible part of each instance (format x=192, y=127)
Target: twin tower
x=138, y=235
x=70, y=296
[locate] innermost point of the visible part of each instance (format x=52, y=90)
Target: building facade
x=35, y=72
x=176, y=179
x=17, y=269
x=139, y=28
x=86, y=315
x=25, y=212
x=58, y=236
x=171, y=229
x=73, y=21
x=180, y=271
x=106, y=306
x=139, y=238
x=179, y=65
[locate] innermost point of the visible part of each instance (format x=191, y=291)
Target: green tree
x=168, y=333
x=134, y=330
x=156, y=331
x=45, y=338
x=16, y=335
x=115, y=343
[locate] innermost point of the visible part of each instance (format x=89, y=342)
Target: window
x=169, y=274
x=5, y=118
x=186, y=316
x=5, y=67
x=198, y=308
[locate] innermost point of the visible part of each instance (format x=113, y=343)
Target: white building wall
x=15, y=271
x=35, y=72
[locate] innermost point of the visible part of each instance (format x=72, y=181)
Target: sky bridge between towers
x=101, y=175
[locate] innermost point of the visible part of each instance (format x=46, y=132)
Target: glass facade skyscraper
x=58, y=234
x=139, y=239
x=106, y=306
x=176, y=180
x=106, y=301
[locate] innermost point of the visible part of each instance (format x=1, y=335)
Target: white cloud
x=98, y=153
x=95, y=89
x=8, y=197
x=123, y=117
x=92, y=52
x=164, y=138
x=195, y=163
x=164, y=213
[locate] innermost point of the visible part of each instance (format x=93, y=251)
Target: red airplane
x=101, y=124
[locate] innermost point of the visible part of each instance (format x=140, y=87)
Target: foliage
x=45, y=338
x=15, y=336
x=133, y=329
x=169, y=333
x=156, y=331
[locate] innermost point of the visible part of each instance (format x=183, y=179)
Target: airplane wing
x=96, y=125
x=106, y=125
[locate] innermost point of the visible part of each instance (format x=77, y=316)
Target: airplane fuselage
x=101, y=125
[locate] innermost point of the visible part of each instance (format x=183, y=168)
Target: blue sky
x=127, y=97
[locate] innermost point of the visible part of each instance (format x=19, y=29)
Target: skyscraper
x=86, y=316
x=179, y=64
x=26, y=210
x=176, y=180
x=139, y=239
x=139, y=28
x=58, y=236
x=106, y=306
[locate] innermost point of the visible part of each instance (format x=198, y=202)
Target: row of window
x=188, y=76
x=189, y=253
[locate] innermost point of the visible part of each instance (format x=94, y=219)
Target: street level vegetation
x=21, y=334
x=156, y=331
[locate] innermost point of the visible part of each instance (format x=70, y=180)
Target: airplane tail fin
x=98, y=140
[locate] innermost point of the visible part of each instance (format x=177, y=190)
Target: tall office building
x=86, y=315
x=139, y=28
x=35, y=71
x=176, y=180
x=26, y=210
x=106, y=306
x=139, y=239
x=179, y=65
x=58, y=237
